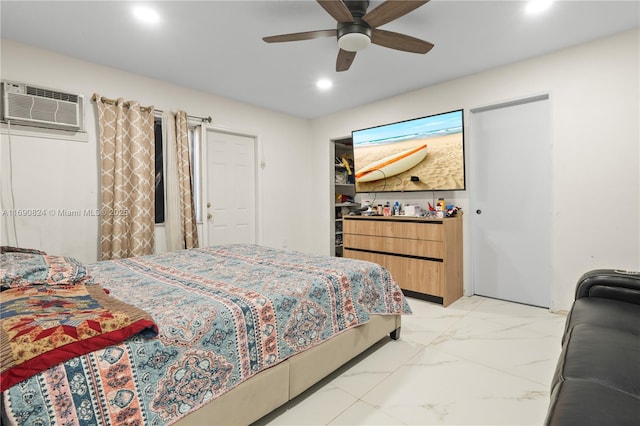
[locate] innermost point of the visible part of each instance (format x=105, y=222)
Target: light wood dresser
x=423, y=255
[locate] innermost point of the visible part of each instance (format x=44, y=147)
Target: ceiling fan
x=357, y=28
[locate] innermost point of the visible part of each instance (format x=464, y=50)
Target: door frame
x=259, y=201
x=473, y=222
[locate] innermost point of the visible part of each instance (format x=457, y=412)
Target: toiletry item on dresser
x=440, y=208
x=412, y=210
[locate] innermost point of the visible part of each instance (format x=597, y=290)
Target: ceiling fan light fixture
x=354, y=42
x=357, y=28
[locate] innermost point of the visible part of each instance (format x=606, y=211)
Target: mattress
x=224, y=314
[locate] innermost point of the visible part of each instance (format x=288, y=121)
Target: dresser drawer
x=429, y=249
x=424, y=256
x=397, y=229
x=417, y=275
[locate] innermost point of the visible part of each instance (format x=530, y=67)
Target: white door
x=510, y=193
x=230, y=194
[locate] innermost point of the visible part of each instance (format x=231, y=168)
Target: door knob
x=478, y=211
x=208, y=205
x=209, y=216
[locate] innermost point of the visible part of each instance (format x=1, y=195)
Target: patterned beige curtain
x=188, y=211
x=180, y=221
x=127, y=178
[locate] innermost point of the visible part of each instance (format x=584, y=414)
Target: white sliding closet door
x=510, y=191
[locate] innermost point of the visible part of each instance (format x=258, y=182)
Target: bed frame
x=275, y=386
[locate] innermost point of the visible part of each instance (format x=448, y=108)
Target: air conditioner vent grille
x=51, y=94
x=41, y=107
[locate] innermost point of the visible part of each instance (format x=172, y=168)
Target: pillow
x=7, y=249
x=22, y=267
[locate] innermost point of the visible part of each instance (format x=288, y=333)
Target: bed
x=224, y=335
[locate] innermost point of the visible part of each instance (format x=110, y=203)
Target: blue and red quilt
x=224, y=314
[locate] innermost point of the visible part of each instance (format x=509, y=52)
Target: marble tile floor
x=479, y=361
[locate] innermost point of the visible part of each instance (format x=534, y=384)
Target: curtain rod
x=207, y=119
x=94, y=98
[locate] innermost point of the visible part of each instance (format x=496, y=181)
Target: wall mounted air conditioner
x=41, y=107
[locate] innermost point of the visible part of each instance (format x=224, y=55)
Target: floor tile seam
x=391, y=373
x=400, y=422
x=487, y=366
x=495, y=322
x=341, y=412
x=496, y=335
x=356, y=399
x=547, y=311
x=453, y=324
x=516, y=320
x=386, y=373
x=431, y=345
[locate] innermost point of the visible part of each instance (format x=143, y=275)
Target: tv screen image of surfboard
x=430, y=148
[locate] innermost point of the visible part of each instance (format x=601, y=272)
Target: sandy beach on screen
x=442, y=167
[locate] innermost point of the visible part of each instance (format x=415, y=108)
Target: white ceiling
x=217, y=47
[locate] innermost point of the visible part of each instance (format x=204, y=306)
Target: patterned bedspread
x=224, y=314
x=44, y=325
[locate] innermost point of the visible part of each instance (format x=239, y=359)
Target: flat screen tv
x=422, y=154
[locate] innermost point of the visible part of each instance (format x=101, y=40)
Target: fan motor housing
x=357, y=26
x=358, y=8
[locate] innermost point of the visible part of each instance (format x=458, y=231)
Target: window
x=194, y=153
x=157, y=130
x=195, y=146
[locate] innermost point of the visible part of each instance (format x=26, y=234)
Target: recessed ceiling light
x=537, y=6
x=146, y=14
x=324, y=84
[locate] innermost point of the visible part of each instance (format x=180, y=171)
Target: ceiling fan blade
x=390, y=10
x=345, y=59
x=337, y=9
x=308, y=35
x=399, y=41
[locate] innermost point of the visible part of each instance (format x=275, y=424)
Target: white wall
x=63, y=174
x=594, y=96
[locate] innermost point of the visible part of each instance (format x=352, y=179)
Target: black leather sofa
x=597, y=380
